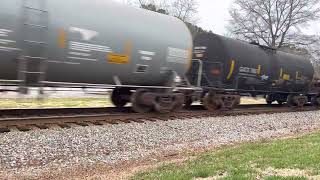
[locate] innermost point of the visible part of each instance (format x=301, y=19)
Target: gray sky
x=214, y=15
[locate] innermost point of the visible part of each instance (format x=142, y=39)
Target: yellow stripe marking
x=298, y=77
x=128, y=48
x=233, y=63
x=259, y=70
x=286, y=77
x=62, y=39
x=190, y=57
x=281, y=73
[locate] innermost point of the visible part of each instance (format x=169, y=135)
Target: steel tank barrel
x=91, y=41
x=240, y=65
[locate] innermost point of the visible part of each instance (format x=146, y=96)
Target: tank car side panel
x=94, y=41
x=140, y=51
x=251, y=67
x=295, y=73
x=212, y=61
x=9, y=44
x=239, y=71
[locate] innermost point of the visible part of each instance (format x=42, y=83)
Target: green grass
x=249, y=161
x=54, y=102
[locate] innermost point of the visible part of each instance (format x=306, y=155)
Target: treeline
x=186, y=10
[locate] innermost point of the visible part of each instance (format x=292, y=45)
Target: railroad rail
x=37, y=119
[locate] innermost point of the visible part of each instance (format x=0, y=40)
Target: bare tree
x=274, y=23
x=154, y=5
x=186, y=10
x=314, y=52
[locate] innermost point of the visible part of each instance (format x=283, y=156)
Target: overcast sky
x=214, y=15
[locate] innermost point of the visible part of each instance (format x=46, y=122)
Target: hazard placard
x=118, y=58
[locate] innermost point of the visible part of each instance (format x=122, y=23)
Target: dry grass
x=248, y=100
x=76, y=102
x=54, y=102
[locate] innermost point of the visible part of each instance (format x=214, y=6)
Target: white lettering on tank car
x=80, y=54
x=86, y=34
x=200, y=48
x=84, y=59
x=78, y=46
x=176, y=55
x=5, y=41
x=199, y=51
x=248, y=70
x=64, y=62
x=5, y=32
x=80, y=49
x=72, y=63
x=264, y=77
x=199, y=55
x=146, y=58
x=147, y=53
x=2, y=48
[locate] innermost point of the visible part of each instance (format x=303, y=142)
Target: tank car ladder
x=33, y=61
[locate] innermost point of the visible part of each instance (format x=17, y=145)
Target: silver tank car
x=89, y=41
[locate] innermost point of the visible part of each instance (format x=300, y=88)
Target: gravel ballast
x=32, y=154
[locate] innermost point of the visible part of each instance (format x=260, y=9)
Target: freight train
x=226, y=69
x=148, y=59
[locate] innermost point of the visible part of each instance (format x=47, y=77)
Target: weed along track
x=37, y=119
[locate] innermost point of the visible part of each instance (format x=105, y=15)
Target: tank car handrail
x=110, y=86
x=10, y=81
x=255, y=91
x=200, y=71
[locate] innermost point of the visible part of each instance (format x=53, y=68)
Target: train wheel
x=179, y=101
x=297, y=101
x=290, y=101
x=118, y=97
x=211, y=102
x=301, y=100
x=138, y=98
x=188, y=102
x=164, y=104
x=230, y=102
x=169, y=103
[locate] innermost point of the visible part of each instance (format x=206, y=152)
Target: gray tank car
x=93, y=43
